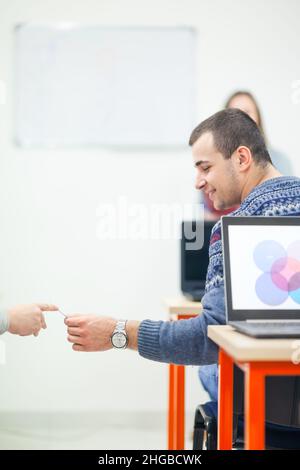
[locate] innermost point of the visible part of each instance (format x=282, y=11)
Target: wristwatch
x=119, y=338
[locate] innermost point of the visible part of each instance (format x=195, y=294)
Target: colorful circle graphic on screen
x=281, y=272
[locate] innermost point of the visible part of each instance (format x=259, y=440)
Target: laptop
x=262, y=275
x=194, y=247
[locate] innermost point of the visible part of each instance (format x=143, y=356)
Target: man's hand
x=90, y=332
x=26, y=320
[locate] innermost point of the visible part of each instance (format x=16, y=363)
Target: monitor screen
x=264, y=265
x=195, y=261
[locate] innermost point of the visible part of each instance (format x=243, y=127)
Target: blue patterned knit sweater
x=186, y=341
x=275, y=197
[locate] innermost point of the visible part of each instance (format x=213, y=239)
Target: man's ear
x=243, y=158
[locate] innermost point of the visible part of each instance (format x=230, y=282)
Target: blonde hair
x=251, y=97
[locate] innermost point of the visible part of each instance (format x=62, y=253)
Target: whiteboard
x=91, y=85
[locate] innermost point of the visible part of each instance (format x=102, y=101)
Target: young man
x=233, y=168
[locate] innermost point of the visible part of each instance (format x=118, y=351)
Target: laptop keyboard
x=269, y=329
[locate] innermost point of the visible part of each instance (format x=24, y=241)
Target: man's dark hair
x=230, y=129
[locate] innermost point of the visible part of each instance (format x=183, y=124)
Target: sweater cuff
x=148, y=340
x=4, y=323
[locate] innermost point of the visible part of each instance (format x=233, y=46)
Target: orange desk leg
x=176, y=407
x=176, y=427
x=225, y=407
x=254, y=407
x=171, y=408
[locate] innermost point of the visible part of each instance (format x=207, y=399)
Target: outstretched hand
x=90, y=332
x=26, y=320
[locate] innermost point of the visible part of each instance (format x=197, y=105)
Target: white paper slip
x=62, y=313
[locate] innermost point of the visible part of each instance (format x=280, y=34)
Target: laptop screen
x=262, y=266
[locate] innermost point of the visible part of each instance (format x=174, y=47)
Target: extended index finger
x=48, y=307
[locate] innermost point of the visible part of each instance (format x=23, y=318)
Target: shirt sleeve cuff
x=148, y=340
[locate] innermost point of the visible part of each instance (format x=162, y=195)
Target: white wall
x=48, y=245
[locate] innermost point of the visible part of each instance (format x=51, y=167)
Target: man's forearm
x=184, y=341
x=132, y=329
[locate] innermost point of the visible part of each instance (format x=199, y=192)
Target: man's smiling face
x=216, y=176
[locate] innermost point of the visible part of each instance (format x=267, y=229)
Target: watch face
x=119, y=340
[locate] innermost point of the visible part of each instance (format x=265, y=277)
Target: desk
x=257, y=358
x=178, y=309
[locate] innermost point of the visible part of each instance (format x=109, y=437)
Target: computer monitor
x=194, y=262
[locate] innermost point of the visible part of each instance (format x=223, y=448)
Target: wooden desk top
x=244, y=348
x=182, y=306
